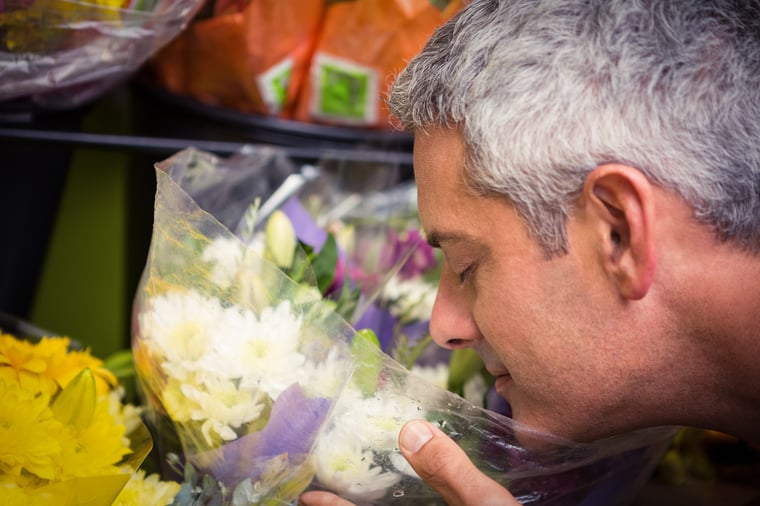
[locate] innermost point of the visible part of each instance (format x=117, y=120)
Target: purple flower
x=410, y=248
x=306, y=228
x=340, y=277
x=291, y=430
x=382, y=322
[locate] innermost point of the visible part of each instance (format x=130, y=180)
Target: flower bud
x=75, y=404
x=280, y=239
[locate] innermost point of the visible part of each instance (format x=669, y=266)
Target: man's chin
x=535, y=422
x=536, y=426
x=537, y=431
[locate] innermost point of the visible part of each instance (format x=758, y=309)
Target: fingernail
x=414, y=435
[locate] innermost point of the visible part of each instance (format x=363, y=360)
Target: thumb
x=443, y=465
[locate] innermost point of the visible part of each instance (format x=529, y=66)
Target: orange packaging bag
x=250, y=57
x=363, y=44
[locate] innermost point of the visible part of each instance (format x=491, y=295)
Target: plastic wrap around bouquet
x=59, y=54
x=244, y=351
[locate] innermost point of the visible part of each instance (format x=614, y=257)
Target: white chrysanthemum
x=399, y=462
x=410, y=299
x=184, y=371
x=223, y=407
x=346, y=467
x=221, y=362
x=325, y=378
x=375, y=421
x=260, y=352
x=176, y=325
x=437, y=375
x=179, y=407
x=226, y=255
x=141, y=490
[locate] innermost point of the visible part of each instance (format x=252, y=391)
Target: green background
x=84, y=290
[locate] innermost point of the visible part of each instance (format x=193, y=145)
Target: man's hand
x=319, y=498
x=445, y=467
x=441, y=464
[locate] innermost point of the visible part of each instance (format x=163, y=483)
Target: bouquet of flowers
x=385, y=274
x=245, y=341
x=66, y=437
x=60, y=54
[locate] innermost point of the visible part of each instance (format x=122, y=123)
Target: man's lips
x=497, y=372
x=502, y=380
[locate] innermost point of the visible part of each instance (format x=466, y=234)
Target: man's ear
x=620, y=203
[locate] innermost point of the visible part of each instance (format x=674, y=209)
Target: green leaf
x=301, y=271
x=463, y=365
x=121, y=364
x=365, y=348
x=407, y=353
x=348, y=299
x=325, y=263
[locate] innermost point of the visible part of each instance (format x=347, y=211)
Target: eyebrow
x=434, y=238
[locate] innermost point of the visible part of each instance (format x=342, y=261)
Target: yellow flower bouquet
x=66, y=438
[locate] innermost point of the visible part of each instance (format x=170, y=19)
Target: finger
x=318, y=498
x=446, y=468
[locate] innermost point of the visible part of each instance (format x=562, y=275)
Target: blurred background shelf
x=78, y=188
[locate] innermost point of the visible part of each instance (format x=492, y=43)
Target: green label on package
x=344, y=91
x=273, y=85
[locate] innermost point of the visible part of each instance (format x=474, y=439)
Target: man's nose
x=451, y=324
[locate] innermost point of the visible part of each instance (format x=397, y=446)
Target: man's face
x=541, y=326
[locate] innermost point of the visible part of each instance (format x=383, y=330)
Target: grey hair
x=544, y=91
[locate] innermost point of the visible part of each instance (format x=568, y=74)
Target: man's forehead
x=439, y=160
